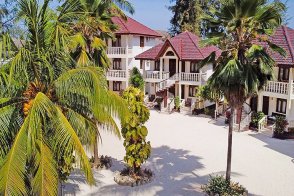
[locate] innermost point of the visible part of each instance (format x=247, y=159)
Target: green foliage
x=177, y=103
x=281, y=124
x=65, y=166
x=136, y=79
x=255, y=118
x=134, y=132
x=187, y=15
x=50, y=102
x=208, y=93
x=218, y=185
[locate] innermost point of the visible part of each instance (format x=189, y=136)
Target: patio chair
x=188, y=102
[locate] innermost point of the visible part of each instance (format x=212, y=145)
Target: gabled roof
x=131, y=26
x=185, y=45
x=284, y=37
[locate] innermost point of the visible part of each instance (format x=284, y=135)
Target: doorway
x=265, y=105
x=172, y=67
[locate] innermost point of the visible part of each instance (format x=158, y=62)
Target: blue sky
x=154, y=13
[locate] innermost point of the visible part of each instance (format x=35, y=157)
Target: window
x=142, y=44
x=281, y=106
x=170, y=53
x=117, y=41
x=116, y=86
x=192, y=91
x=141, y=64
x=194, y=67
x=116, y=64
x=157, y=65
x=284, y=74
x=148, y=39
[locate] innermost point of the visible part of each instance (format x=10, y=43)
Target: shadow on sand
x=282, y=146
x=175, y=174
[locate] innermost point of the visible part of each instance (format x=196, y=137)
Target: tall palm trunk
x=230, y=138
x=96, y=155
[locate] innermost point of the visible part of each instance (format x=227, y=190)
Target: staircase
x=167, y=83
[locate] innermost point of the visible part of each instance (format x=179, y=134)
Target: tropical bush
x=134, y=132
x=219, y=186
x=281, y=124
x=136, y=79
x=177, y=103
x=255, y=118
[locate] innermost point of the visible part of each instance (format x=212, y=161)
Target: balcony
x=192, y=78
x=116, y=75
x=154, y=76
x=279, y=89
x=118, y=52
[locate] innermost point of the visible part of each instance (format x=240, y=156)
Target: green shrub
x=136, y=79
x=255, y=118
x=134, y=132
x=177, y=103
x=217, y=185
x=281, y=124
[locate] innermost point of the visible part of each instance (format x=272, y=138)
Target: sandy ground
x=186, y=150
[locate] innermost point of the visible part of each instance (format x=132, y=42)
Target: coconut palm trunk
x=96, y=153
x=230, y=144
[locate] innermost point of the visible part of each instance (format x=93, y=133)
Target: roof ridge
x=288, y=42
x=143, y=25
x=123, y=23
x=194, y=43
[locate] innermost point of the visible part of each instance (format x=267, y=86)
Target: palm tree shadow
x=282, y=146
x=174, y=171
x=71, y=187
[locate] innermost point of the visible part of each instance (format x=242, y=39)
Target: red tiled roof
x=284, y=37
x=132, y=26
x=185, y=45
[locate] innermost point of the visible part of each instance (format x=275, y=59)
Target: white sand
x=186, y=150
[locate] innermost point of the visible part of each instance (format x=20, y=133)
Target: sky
x=154, y=13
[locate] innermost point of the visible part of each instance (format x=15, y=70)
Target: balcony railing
x=278, y=87
x=116, y=74
x=118, y=50
x=191, y=77
x=156, y=75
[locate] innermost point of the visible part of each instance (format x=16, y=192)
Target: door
x=183, y=92
x=172, y=67
x=265, y=105
x=253, y=103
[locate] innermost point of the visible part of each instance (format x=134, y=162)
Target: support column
x=180, y=91
x=259, y=104
x=127, y=61
x=160, y=69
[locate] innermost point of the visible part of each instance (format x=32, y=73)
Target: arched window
x=170, y=53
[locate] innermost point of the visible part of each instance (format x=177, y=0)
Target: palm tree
x=88, y=43
x=51, y=104
x=244, y=66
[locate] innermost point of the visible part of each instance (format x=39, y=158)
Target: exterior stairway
x=167, y=83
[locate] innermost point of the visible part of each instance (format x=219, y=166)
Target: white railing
x=167, y=82
x=116, y=73
x=117, y=50
x=182, y=103
x=156, y=75
x=277, y=87
x=191, y=77
x=262, y=123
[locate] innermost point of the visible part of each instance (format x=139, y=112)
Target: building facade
x=172, y=68
x=277, y=97
x=132, y=38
